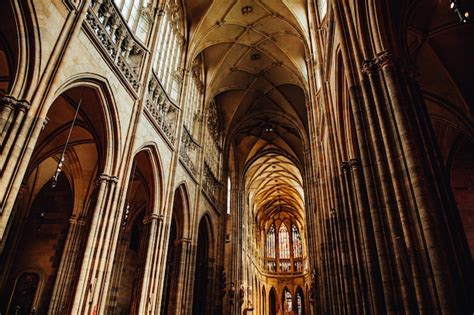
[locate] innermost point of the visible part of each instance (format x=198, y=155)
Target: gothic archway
x=172, y=291
x=272, y=302
x=202, y=287
x=134, y=236
x=70, y=149
x=40, y=248
x=299, y=302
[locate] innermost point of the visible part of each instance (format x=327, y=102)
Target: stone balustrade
x=123, y=50
x=162, y=109
x=211, y=184
x=188, y=146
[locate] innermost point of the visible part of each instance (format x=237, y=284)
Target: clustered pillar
x=389, y=241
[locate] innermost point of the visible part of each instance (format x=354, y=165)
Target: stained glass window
x=297, y=244
x=299, y=303
x=271, y=253
x=284, y=242
x=287, y=302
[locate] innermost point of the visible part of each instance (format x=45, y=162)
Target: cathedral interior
x=236, y=157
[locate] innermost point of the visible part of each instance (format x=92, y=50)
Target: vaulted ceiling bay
x=254, y=54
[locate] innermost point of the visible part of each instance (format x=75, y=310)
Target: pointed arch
x=273, y=302
x=299, y=301
x=105, y=114
x=182, y=205
x=20, y=42
x=204, y=253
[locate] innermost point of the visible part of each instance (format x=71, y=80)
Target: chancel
x=270, y=157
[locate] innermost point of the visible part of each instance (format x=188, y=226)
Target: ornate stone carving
x=213, y=121
x=14, y=104
x=369, y=67
x=211, y=184
x=112, y=33
x=152, y=217
x=188, y=145
x=162, y=109
x=354, y=163
x=385, y=59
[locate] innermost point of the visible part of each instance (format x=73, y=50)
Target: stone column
x=370, y=253
x=10, y=110
x=151, y=293
x=354, y=234
x=99, y=252
x=61, y=299
x=183, y=269
x=11, y=117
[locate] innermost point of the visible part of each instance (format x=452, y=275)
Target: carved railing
x=188, y=146
x=162, y=109
x=118, y=42
x=211, y=184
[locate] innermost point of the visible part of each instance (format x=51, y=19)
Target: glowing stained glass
x=271, y=253
x=284, y=242
x=299, y=303
x=297, y=244
x=288, y=302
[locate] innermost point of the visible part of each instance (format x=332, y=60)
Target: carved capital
x=345, y=166
x=385, y=59
x=106, y=178
x=354, y=163
x=74, y=220
x=10, y=102
x=369, y=67
x=152, y=217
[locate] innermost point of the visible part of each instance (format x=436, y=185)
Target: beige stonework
x=236, y=157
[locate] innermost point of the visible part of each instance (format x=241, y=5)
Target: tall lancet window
x=169, y=53
x=284, y=248
x=137, y=14
x=284, y=242
x=271, y=250
x=297, y=245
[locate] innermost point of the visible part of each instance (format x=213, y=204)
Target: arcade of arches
x=236, y=157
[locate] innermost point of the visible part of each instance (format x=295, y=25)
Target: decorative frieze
x=188, y=146
x=12, y=103
x=123, y=50
x=162, y=109
x=211, y=184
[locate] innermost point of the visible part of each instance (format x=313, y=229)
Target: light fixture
x=59, y=168
x=462, y=14
x=246, y=10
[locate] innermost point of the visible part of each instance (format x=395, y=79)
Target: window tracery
x=169, y=53
x=287, y=302
x=284, y=252
x=137, y=14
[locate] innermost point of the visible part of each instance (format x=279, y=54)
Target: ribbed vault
x=274, y=186
x=254, y=53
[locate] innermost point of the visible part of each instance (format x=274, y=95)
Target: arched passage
x=299, y=302
x=272, y=302
x=40, y=249
x=134, y=235
x=17, y=47
x=176, y=249
x=202, y=285
x=58, y=191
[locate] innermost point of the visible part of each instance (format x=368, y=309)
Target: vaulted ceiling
x=437, y=42
x=254, y=53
